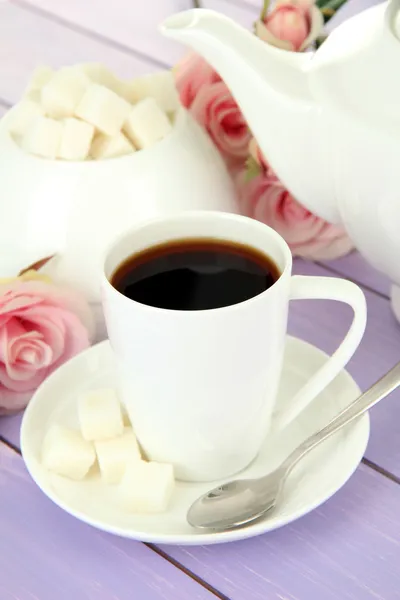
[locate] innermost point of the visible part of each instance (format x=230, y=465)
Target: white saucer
x=315, y=479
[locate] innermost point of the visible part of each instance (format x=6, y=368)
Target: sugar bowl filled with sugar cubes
x=85, y=155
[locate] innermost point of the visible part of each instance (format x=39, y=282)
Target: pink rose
x=291, y=25
x=41, y=326
x=190, y=75
x=264, y=198
x=216, y=110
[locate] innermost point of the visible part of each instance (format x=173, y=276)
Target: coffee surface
x=195, y=274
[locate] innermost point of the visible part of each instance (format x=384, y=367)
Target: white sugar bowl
x=74, y=209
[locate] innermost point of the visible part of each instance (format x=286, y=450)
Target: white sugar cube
x=65, y=452
x=104, y=146
x=76, y=139
x=43, y=137
x=103, y=108
x=98, y=73
x=146, y=487
x=123, y=89
x=146, y=123
x=61, y=95
x=100, y=415
x=40, y=76
x=22, y=115
x=116, y=454
x=160, y=86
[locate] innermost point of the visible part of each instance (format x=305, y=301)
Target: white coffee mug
x=200, y=386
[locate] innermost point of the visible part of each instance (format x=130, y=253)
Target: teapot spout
x=246, y=63
x=271, y=87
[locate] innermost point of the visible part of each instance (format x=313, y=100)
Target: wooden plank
x=256, y=4
x=47, y=554
x=10, y=428
x=324, y=324
x=28, y=40
x=348, y=549
x=356, y=268
x=132, y=24
x=242, y=13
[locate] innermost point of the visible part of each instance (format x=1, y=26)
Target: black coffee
x=195, y=274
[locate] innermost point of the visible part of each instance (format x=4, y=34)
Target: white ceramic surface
x=76, y=208
x=206, y=430
x=313, y=481
x=328, y=122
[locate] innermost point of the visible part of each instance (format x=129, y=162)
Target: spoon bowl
x=236, y=503
x=242, y=501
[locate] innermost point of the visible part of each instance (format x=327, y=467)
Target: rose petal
x=10, y=304
x=26, y=385
x=190, y=75
x=216, y=110
x=41, y=326
x=265, y=199
x=50, y=321
x=10, y=330
x=76, y=339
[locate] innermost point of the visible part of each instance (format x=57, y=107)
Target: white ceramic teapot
x=74, y=209
x=328, y=122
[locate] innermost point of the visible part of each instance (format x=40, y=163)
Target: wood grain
x=48, y=555
x=28, y=40
x=324, y=324
x=347, y=549
x=356, y=268
x=126, y=22
x=242, y=13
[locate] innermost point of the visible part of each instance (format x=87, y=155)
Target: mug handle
x=326, y=288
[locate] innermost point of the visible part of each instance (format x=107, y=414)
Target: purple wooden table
x=349, y=549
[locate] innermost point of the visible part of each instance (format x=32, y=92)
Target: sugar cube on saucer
x=100, y=415
x=146, y=487
x=40, y=76
x=103, y=108
x=104, y=146
x=43, y=137
x=65, y=452
x=76, y=139
x=61, y=95
x=146, y=123
x=160, y=86
x=115, y=454
x=22, y=115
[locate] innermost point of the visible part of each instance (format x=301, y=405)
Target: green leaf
x=264, y=10
x=320, y=40
x=252, y=169
x=330, y=8
x=334, y=4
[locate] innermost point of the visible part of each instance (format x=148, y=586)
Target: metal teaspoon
x=241, y=501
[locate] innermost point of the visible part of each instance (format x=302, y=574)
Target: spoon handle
x=374, y=394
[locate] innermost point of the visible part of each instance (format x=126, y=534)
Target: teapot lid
x=356, y=70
